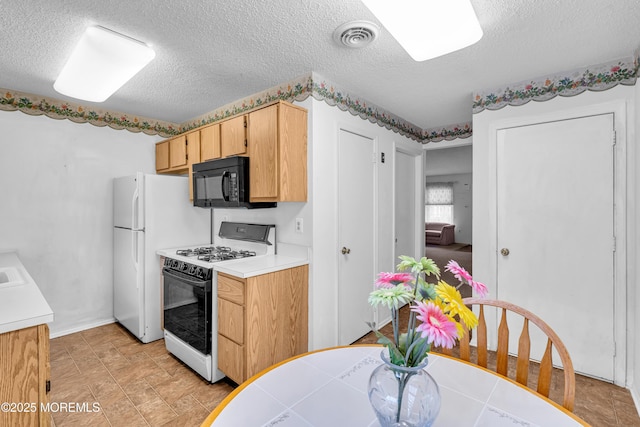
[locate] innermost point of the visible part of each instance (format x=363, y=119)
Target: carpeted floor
x=459, y=252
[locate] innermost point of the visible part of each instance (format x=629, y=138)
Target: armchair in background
x=439, y=233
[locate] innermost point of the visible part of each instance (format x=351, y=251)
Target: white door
x=356, y=230
x=555, y=187
x=405, y=206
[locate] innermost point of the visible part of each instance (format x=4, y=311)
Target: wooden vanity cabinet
x=25, y=376
x=262, y=320
x=277, y=137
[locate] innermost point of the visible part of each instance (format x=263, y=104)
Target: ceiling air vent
x=356, y=34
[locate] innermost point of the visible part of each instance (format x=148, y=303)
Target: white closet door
x=555, y=238
x=356, y=235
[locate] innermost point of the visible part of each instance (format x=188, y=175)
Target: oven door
x=187, y=309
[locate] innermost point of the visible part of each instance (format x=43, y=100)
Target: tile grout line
x=114, y=379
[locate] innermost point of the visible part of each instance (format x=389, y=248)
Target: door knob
x=504, y=251
x=345, y=251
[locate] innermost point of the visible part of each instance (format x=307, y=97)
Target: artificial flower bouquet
x=438, y=307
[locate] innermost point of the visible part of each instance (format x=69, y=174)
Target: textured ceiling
x=210, y=53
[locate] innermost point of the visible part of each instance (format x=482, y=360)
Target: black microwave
x=224, y=183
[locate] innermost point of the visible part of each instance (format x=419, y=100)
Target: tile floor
x=143, y=385
x=135, y=384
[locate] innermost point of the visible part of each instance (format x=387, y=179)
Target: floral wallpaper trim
x=294, y=90
x=596, y=78
x=321, y=89
x=36, y=105
x=324, y=90
x=447, y=133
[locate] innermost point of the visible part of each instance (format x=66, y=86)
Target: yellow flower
x=453, y=304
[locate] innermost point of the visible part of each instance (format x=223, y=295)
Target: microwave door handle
x=225, y=195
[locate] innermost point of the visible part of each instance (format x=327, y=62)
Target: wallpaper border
x=36, y=105
x=569, y=83
x=595, y=78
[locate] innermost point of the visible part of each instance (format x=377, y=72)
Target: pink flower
x=389, y=280
x=458, y=272
x=463, y=275
x=615, y=69
x=479, y=287
x=436, y=326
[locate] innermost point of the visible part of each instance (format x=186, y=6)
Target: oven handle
x=192, y=282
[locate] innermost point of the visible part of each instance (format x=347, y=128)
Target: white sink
x=10, y=276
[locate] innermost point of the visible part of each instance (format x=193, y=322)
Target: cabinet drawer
x=231, y=289
x=231, y=359
x=231, y=320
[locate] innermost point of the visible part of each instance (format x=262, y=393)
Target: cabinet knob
x=345, y=251
x=504, y=251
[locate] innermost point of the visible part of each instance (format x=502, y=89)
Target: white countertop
x=22, y=305
x=329, y=388
x=255, y=266
x=288, y=256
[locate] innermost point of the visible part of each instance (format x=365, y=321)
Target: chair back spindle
x=524, y=349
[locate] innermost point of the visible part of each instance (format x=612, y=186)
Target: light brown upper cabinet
x=162, y=156
x=193, y=156
x=178, y=152
x=233, y=136
x=171, y=155
x=210, y=143
x=274, y=138
x=277, y=137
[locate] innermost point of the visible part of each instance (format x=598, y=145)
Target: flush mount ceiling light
x=101, y=63
x=427, y=29
x=356, y=34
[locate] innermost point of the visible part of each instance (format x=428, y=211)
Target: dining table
x=329, y=388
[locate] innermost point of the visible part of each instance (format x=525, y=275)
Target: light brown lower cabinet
x=24, y=377
x=262, y=320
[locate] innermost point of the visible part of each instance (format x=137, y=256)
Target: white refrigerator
x=150, y=212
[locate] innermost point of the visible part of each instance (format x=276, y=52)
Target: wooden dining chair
x=524, y=349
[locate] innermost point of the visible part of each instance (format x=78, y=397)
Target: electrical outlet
x=299, y=227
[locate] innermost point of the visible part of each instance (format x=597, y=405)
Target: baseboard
x=83, y=327
x=635, y=395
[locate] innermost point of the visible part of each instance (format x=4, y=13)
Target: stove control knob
x=184, y=266
x=174, y=263
x=200, y=273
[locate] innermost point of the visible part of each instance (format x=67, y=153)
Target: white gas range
x=190, y=291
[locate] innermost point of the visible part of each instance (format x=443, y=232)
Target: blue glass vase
x=403, y=396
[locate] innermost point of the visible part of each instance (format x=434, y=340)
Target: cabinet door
x=162, y=155
x=233, y=138
x=193, y=147
x=178, y=152
x=263, y=167
x=193, y=156
x=292, y=154
x=24, y=369
x=210, y=143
